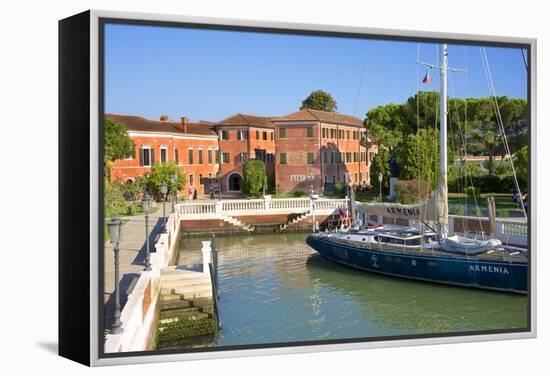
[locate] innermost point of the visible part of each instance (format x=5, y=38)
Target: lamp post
x=174, y=181
x=218, y=178
x=380, y=177
x=146, y=206
x=163, y=191
x=115, y=235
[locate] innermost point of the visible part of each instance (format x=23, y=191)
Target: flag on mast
x=426, y=79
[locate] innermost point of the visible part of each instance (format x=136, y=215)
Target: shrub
x=114, y=199
x=162, y=173
x=411, y=191
x=279, y=189
x=457, y=209
x=298, y=193
x=339, y=188
x=472, y=193
x=254, y=178
x=132, y=189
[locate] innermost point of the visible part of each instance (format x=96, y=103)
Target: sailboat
x=423, y=252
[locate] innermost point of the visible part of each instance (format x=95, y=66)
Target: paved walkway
x=132, y=257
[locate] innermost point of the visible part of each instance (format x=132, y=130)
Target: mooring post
x=206, y=257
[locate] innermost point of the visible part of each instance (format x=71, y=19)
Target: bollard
x=206, y=257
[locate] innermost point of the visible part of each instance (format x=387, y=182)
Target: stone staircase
x=186, y=312
x=236, y=222
x=295, y=220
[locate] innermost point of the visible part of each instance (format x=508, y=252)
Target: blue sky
x=210, y=75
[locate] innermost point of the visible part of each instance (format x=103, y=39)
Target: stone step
x=189, y=295
x=186, y=282
x=176, y=312
x=182, y=317
x=170, y=298
x=174, y=304
x=201, y=302
x=185, y=289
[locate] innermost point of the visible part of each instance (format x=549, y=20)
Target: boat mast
x=443, y=228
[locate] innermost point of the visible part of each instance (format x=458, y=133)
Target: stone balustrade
x=138, y=314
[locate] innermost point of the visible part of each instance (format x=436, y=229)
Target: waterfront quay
x=180, y=285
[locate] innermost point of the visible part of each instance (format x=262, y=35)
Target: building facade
x=243, y=137
x=191, y=146
x=318, y=149
x=305, y=150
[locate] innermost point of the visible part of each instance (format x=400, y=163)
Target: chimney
x=184, y=122
x=163, y=117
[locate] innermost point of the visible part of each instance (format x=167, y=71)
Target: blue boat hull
x=484, y=274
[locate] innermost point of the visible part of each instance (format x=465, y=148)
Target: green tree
x=319, y=100
x=254, y=178
x=384, y=125
x=163, y=173
x=380, y=164
x=116, y=144
x=521, y=164
x=418, y=157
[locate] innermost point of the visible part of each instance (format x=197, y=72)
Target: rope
x=360, y=81
x=489, y=79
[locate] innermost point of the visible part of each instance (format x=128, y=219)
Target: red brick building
x=317, y=149
x=301, y=149
x=192, y=146
x=243, y=137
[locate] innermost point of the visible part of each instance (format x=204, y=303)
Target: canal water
x=276, y=289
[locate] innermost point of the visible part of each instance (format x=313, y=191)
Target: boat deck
x=497, y=254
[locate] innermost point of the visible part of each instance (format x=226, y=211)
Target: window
x=332, y=158
x=163, y=154
x=224, y=135
x=282, y=132
x=332, y=133
x=242, y=134
x=333, y=179
x=225, y=157
x=355, y=157
x=264, y=136
x=190, y=154
x=200, y=156
x=257, y=135
x=271, y=135
x=201, y=181
x=244, y=157
x=310, y=131
x=326, y=179
x=325, y=157
x=355, y=181
x=176, y=156
x=218, y=160
x=309, y=158
x=147, y=156
x=209, y=156
x=360, y=176
x=348, y=157
x=347, y=135
x=323, y=133
x=282, y=158
x=191, y=179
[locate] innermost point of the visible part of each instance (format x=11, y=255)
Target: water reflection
x=274, y=289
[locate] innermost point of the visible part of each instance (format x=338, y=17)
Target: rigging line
x=501, y=125
x=451, y=87
x=524, y=59
x=360, y=81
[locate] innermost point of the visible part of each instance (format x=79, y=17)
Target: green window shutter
x=141, y=156
x=152, y=157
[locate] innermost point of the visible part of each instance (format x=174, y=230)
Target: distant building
x=192, y=146
x=243, y=137
x=305, y=149
x=319, y=149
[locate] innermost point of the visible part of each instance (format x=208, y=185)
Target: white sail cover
x=435, y=209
